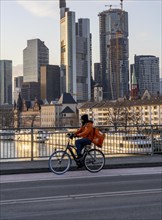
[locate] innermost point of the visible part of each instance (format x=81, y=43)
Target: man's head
x=84, y=119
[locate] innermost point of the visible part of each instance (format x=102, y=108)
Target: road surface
x=112, y=194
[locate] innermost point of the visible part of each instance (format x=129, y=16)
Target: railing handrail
x=29, y=143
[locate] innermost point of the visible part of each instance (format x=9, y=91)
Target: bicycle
x=60, y=160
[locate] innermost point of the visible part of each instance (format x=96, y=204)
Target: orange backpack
x=98, y=137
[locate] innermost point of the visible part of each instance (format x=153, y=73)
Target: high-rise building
x=147, y=74
x=75, y=40
x=18, y=81
x=161, y=86
x=83, y=60
x=97, y=73
x=5, y=82
x=68, y=50
x=50, y=82
x=30, y=91
x=34, y=55
x=113, y=29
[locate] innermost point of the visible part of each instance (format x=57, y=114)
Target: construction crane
x=121, y=4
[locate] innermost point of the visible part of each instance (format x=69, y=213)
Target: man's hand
x=74, y=135
x=71, y=135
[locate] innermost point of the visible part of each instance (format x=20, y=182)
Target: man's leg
x=80, y=143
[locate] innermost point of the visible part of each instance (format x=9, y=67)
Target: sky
x=22, y=20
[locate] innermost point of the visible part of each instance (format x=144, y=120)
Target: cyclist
x=86, y=132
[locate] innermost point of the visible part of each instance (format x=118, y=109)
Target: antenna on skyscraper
x=121, y=4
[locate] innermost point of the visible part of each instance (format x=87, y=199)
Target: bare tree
x=30, y=120
x=115, y=114
x=125, y=116
x=120, y=114
x=6, y=118
x=136, y=120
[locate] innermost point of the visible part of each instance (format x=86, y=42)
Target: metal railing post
x=32, y=147
x=152, y=143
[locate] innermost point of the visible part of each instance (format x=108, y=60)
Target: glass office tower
x=34, y=55
x=147, y=74
x=75, y=44
x=5, y=82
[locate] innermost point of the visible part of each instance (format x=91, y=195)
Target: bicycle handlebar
x=70, y=135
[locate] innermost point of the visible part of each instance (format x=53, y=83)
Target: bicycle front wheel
x=59, y=162
x=94, y=160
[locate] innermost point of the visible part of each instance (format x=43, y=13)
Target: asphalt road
x=118, y=194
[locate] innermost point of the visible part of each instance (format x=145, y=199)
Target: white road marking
x=79, y=196
x=15, y=178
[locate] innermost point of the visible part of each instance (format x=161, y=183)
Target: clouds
x=41, y=8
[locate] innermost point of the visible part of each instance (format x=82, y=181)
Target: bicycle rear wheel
x=59, y=162
x=94, y=160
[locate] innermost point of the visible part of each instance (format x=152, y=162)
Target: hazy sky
x=24, y=20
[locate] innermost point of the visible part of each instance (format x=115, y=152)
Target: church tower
x=134, y=86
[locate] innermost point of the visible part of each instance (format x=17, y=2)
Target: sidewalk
x=111, y=163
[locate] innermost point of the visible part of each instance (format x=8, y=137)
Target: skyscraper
x=68, y=50
x=75, y=39
x=5, y=82
x=97, y=73
x=113, y=29
x=161, y=86
x=30, y=91
x=147, y=73
x=34, y=55
x=50, y=82
x=18, y=81
x=83, y=60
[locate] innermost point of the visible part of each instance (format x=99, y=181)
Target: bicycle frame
x=70, y=147
x=88, y=159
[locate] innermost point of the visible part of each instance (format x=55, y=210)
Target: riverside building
x=146, y=111
x=60, y=114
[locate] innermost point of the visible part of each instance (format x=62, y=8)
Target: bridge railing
x=39, y=143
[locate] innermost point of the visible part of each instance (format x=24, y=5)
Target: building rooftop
x=66, y=98
x=125, y=103
x=67, y=110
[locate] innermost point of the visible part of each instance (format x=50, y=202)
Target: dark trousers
x=80, y=143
